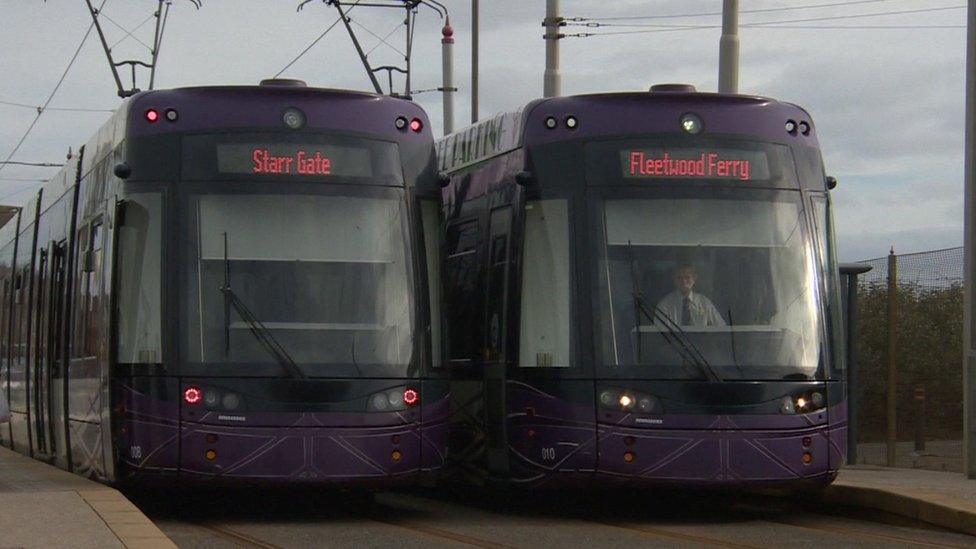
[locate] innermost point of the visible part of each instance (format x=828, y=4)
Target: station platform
x=945, y=499
x=43, y=506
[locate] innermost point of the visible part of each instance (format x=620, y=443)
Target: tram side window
x=545, y=302
x=88, y=292
x=461, y=293
x=139, y=290
x=80, y=290
x=828, y=264
x=430, y=212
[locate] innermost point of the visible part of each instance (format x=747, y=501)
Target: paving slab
x=43, y=506
x=942, y=498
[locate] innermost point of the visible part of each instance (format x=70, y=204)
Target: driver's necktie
x=686, y=312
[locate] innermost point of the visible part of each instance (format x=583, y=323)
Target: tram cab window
x=707, y=288
x=324, y=277
x=139, y=290
x=544, y=329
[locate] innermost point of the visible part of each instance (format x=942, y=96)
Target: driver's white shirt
x=703, y=312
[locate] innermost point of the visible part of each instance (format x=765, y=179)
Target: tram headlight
x=379, y=402
x=231, y=401
x=648, y=404
x=293, y=118
x=803, y=403
x=629, y=401
x=393, y=400
x=787, y=406
x=211, y=398
x=691, y=123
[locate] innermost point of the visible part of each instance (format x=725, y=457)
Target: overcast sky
x=888, y=102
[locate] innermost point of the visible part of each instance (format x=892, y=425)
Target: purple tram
x=641, y=287
x=230, y=284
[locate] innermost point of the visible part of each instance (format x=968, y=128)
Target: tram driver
x=686, y=307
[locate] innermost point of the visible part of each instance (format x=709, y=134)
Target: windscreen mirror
x=122, y=170
x=831, y=182
x=443, y=179
x=524, y=178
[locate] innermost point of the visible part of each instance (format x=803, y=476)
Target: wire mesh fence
x=926, y=325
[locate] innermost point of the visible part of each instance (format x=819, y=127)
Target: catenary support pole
x=892, y=390
x=551, y=79
x=728, y=49
x=969, y=350
x=447, y=86
x=474, y=61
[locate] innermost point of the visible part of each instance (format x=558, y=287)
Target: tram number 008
x=548, y=454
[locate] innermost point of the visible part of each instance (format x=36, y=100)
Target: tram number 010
x=548, y=454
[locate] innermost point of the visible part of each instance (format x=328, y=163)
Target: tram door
x=495, y=351
x=53, y=368
x=48, y=317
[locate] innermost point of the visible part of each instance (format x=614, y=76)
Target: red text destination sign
x=294, y=159
x=695, y=164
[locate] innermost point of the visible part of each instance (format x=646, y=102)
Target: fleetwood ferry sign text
x=706, y=165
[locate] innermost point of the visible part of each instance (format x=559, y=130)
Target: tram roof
x=598, y=114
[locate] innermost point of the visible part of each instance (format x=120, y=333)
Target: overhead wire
x=382, y=40
x=758, y=10
x=316, y=41
x=54, y=91
x=32, y=164
x=662, y=27
x=762, y=23
x=64, y=109
x=129, y=33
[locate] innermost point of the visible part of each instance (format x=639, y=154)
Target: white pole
x=551, y=80
x=969, y=237
x=474, y=61
x=447, y=88
x=728, y=50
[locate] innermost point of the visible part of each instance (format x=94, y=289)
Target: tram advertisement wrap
x=695, y=164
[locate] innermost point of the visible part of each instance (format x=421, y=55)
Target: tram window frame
x=148, y=308
x=497, y=285
x=89, y=270
x=821, y=209
x=472, y=298
x=568, y=345
x=430, y=214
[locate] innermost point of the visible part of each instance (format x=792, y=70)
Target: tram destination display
x=294, y=159
x=660, y=163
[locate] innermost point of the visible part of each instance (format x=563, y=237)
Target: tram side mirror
x=831, y=182
x=122, y=170
x=525, y=178
x=443, y=179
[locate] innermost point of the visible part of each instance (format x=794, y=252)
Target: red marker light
x=410, y=397
x=192, y=395
x=416, y=125
x=152, y=115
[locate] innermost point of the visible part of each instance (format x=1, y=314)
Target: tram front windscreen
x=704, y=281
x=305, y=280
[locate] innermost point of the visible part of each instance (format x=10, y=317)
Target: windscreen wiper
x=256, y=327
x=677, y=338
